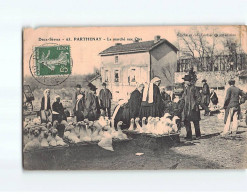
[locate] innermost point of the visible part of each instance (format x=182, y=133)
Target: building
x=123, y=66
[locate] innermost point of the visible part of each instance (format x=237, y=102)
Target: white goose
x=131, y=128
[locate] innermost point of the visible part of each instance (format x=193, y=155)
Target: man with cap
x=191, y=112
x=232, y=108
x=205, y=97
x=77, y=92
x=105, y=97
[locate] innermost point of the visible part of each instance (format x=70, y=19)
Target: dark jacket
x=232, y=100
x=43, y=103
x=58, y=107
x=232, y=97
x=135, y=103
x=78, y=110
x=105, y=97
x=205, y=94
x=214, y=98
x=192, y=99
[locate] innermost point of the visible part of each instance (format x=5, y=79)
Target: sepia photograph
x=134, y=98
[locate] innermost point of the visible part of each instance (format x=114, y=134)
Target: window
x=132, y=75
x=116, y=59
x=116, y=76
x=107, y=75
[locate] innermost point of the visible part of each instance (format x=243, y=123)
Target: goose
x=149, y=125
x=119, y=133
x=138, y=126
x=106, y=141
x=144, y=126
x=44, y=142
x=73, y=137
x=131, y=128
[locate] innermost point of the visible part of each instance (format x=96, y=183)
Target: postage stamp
x=52, y=60
x=51, y=64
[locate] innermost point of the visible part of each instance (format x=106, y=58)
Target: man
x=191, y=112
x=232, y=108
x=90, y=110
x=152, y=104
x=77, y=92
x=165, y=96
x=105, y=97
x=205, y=97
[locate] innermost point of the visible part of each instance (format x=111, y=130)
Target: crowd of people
x=149, y=100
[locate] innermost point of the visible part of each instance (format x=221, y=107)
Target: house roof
x=135, y=47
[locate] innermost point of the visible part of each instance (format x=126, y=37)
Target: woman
x=127, y=110
x=45, y=110
x=58, y=110
x=151, y=104
x=214, y=98
x=79, y=108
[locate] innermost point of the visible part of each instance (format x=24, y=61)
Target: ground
x=210, y=152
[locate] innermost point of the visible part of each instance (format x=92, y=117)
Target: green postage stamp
x=52, y=60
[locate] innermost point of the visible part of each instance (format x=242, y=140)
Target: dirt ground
x=210, y=152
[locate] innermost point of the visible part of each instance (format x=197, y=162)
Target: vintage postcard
x=131, y=98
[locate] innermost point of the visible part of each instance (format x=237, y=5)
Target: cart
x=28, y=97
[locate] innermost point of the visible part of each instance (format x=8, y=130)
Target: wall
x=164, y=64
x=214, y=79
x=122, y=89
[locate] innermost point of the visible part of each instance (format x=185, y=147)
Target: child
x=214, y=99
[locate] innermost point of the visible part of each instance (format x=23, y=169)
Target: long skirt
x=149, y=110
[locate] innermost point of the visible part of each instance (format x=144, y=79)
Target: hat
x=204, y=80
x=186, y=78
x=91, y=86
x=78, y=86
x=231, y=82
x=103, y=84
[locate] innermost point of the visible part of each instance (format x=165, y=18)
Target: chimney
x=136, y=40
x=118, y=44
x=156, y=38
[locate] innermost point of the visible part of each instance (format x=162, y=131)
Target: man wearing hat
x=205, y=97
x=232, y=108
x=105, y=97
x=77, y=92
x=191, y=112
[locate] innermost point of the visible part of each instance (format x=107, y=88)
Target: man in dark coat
x=205, y=97
x=191, y=112
x=152, y=104
x=90, y=110
x=232, y=108
x=105, y=97
x=77, y=92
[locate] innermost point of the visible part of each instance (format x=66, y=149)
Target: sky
x=85, y=52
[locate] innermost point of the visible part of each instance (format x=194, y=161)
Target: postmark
x=51, y=64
